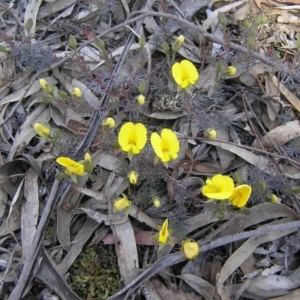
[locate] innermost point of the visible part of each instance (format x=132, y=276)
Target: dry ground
x=63, y=240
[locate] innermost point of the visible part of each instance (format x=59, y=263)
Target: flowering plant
x=42, y=130
x=221, y=187
x=185, y=74
x=72, y=167
x=190, y=249
x=164, y=235
x=166, y=146
x=132, y=138
x=122, y=203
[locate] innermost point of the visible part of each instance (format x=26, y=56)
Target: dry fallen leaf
x=279, y=135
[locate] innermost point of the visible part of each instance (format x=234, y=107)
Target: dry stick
x=178, y=257
x=36, y=244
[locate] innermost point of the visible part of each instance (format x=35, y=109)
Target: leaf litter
x=68, y=235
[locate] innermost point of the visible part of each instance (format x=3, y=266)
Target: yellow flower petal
x=156, y=201
x=190, y=249
x=219, y=187
x=185, y=73
x=164, y=232
x=122, y=203
x=72, y=167
x=132, y=137
x=167, y=146
x=140, y=135
x=141, y=99
x=42, y=130
x=126, y=134
x=110, y=122
x=176, y=73
x=133, y=177
x=240, y=195
x=77, y=92
x=156, y=144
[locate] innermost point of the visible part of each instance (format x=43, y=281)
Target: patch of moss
x=95, y=273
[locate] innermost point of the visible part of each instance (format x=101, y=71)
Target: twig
x=178, y=257
x=36, y=244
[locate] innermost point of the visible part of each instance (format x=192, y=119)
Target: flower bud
x=142, y=41
x=250, y=42
x=230, y=71
x=29, y=24
x=222, y=19
x=237, y=177
x=210, y=133
x=88, y=165
x=262, y=185
x=272, y=198
x=100, y=44
x=141, y=99
x=77, y=92
x=178, y=43
x=56, y=134
x=3, y=49
x=122, y=203
x=72, y=42
x=190, y=249
x=62, y=94
x=295, y=189
x=247, y=24
x=165, y=46
x=156, y=201
x=42, y=130
x=47, y=87
x=133, y=177
x=142, y=87
x=109, y=122
x=47, y=99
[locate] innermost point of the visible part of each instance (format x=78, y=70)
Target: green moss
x=95, y=273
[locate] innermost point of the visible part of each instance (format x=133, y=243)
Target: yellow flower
x=109, y=122
x=185, y=73
x=47, y=87
x=77, y=92
x=230, y=71
x=132, y=138
x=42, y=130
x=72, y=167
x=240, y=195
x=122, y=203
x=43, y=83
x=219, y=187
x=164, y=235
x=87, y=163
x=190, y=249
x=156, y=201
x=164, y=232
x=141, y=99
x=133, y=177
x=210, y=133
x=166, y=146
x=178, y=43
